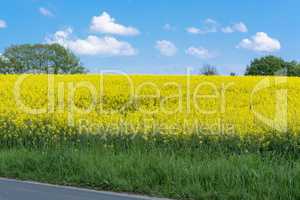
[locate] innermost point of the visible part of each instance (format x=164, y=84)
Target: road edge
x=116, y=194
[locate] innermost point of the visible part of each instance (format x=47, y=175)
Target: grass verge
x=203, y=171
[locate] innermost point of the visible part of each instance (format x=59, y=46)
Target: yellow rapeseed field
x=149, y=103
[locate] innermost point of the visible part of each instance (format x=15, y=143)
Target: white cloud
x=61, y=37
x=238, y=27
x=193, y=30
x=168, y=27
x=166, y=48
x=210, y=26
x=227, y=29
x=210, y=21
x=3, y=24
x=92, y=45
x=45, y=12
x=260, y=42
x=106, y=24
x=200, y=52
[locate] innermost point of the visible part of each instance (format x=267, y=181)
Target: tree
x=40, y=58
x=208, y=70
x=268, y=65
x=64, y=61
x=272, y=65
x=4, y=65
x=293, y=68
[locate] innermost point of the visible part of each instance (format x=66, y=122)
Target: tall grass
x=194, y=167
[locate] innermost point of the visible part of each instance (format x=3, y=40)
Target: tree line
x=39, y=58
x=55, y=59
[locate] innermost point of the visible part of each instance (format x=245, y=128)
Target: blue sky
x=157, y=36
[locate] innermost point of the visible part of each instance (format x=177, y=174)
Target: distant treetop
x=208, y=70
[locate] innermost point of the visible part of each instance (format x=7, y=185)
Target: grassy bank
x=169, y=167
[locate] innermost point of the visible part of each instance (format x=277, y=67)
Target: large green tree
x=40, y=58
x=268, y=65
x=272, y=65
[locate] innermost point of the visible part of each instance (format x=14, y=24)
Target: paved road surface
x=18, y=190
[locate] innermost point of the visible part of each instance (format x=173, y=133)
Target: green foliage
x=293, y=68
x=4, y=65
x=39, y=58
x=192, y=171
x=272, y=65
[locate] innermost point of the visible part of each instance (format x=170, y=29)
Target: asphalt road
x=20, y=190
